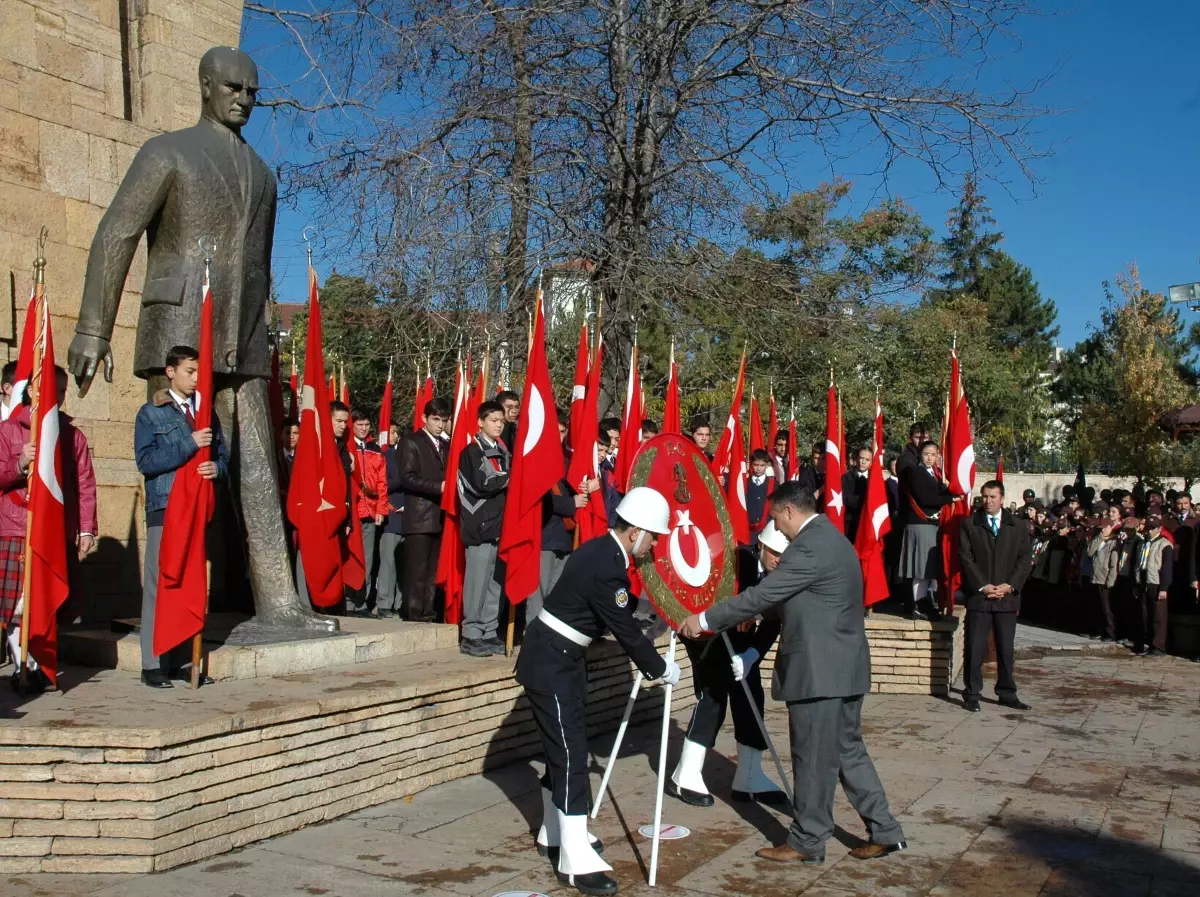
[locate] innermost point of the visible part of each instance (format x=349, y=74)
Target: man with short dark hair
x=812, y=475
x=511, y=403
x=780, y=460
x=910, y=456
x=421, y=462
x=854, y=489
x=1153, y=574
x=609, y=446
x=995, y=556
x=164, y=440
x=822, y=671
x=7, y=376
x=483, y=477
x=702, y=436
x=649, y=429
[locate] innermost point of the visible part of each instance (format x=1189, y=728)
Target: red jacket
x=370, y=471
x=79, y=479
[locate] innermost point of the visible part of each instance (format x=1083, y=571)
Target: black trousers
x=420, y=568
x=716, y=689
x=1152, y=617
x=979, y=624
x=1108, y=624
x=561, y=721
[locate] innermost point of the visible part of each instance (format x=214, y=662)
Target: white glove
x=743, y=663
x=671, y=676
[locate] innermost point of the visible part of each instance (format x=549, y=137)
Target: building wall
x=83, y=84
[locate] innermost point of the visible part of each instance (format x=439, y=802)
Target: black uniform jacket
x=591, y=595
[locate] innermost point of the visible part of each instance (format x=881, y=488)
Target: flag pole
x=39, y=279
x=198, y=638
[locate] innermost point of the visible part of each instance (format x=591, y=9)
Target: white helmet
x=646, y=509
x=773, y=538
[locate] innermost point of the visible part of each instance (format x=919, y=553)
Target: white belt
x=568, y=632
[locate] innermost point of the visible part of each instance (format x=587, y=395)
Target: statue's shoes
x=296, y=616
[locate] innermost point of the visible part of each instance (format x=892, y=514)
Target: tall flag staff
x=671, y=410
x=835, y=508
x=385, y=408
x=793, y=461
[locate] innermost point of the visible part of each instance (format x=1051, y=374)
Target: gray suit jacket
x=817, y=589
x=205, y=182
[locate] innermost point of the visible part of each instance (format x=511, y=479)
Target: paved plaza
x=1093, y=793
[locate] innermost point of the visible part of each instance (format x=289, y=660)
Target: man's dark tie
x=191, y=418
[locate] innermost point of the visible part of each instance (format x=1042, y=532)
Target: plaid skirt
x=12, y=575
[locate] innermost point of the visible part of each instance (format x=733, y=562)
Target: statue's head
x=228, y=86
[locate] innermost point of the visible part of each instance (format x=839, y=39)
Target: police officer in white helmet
x=592, y=595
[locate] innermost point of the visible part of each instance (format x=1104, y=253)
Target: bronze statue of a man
x=204, y=184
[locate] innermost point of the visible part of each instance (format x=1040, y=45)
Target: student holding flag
x=79, y=501
x=165, y=439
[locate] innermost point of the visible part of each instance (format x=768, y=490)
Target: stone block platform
x=235, y=649
x=111, y=776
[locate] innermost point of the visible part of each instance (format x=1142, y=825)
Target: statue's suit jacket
x=817, y=589
x=203, y=182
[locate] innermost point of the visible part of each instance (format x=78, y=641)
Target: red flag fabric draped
x=1000, y=471
x=671, y=413
x=537, y=464
x=575, y=436
x=451, y=569
x=959, y=450
x=47, y=550
x=835, y=509
x=757, y=439
x=732, y=449
x=332, y=393
x=384, y=435
x=354, y=558
x=182, y=601
x=592, y=519
x=317, y=497
x=25, y=359
x=773, y=423
x=631, y=423
x=875, y=523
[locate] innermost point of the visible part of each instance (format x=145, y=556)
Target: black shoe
x=156, y=679
x=473, y=648
x=597, y=884
x=693, y=798
x=771, y=798
x=186, y=676
x=972, y=705
x=386, y=614
x=1140, y=650
x=1015, y=704
x=915, y=614
x=493, y=646
x=1107, y=638
x=552, y=852
x=1155, y=652
x=35, y=683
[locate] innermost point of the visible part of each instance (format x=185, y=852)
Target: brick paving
x=1093, y=793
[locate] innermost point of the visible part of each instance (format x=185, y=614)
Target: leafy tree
x=1146, y=349
x=967, y=248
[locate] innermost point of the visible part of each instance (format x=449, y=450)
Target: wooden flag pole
x=198, y=638
x=39, y=273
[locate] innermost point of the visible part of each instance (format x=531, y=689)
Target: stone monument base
x=111, y=776
x=237, y=648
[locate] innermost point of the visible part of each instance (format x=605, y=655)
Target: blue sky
x=1124, y=171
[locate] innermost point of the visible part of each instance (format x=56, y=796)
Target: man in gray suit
x=822, y=671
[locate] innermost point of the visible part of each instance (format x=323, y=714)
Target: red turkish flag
x=671, y=414
x=631, y=424
x=384, y=435
x=451, y=569
x=575, y=435
x=773, y=423
x=47, y=555
x=960, y=473
x=835, y=508
x=422, y=398
x=537, y=464
x=1000, y=471
x=874, y=524
x=317, y=497
x=732, y=473
x=592, y=519
x=354, y=558
x=183, y=557
x=25, y=360
x=757, y=440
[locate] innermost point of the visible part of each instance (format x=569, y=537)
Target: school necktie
x=995, y=524
x=191, y=418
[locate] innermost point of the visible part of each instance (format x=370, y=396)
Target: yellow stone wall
x=83, y=84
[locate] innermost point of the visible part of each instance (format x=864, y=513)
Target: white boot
x=689, y=772
x=576, y=856
x=548, y=835
x=750, y=778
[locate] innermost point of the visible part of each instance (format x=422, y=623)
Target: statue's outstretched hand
x=84, y=357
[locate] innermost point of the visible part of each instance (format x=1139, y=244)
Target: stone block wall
x=83, y=84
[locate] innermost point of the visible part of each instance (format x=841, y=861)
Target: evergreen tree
x=968, y=247
x=1019, y=318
